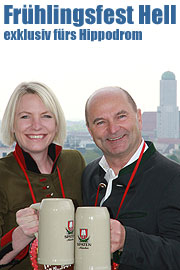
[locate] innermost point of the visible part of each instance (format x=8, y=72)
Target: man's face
x=114, y=125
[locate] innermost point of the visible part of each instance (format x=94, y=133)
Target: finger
x=31, y=224
x=25, y=212
x=111, y=224
x=27, y=219
x=30, y=228
x=29, y=231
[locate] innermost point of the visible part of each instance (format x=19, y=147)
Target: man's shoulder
x=92, y=166
x=161, y=160
x=93, y=163
x=163, y=166
x=167, y=163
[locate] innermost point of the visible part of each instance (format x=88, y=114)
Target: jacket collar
x=128, y=169
x=29, y=163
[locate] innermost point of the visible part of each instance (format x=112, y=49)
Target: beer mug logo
x=70, y=231
x=83, y=236
x=70, y=227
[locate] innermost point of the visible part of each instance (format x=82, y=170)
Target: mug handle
x=35, y=206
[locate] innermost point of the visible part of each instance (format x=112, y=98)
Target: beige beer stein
x=92, y=239
x=56, y=231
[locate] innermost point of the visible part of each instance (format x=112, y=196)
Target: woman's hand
x=28, y=221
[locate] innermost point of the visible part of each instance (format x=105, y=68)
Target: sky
x=74, y=69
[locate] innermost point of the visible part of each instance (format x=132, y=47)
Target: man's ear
x=139, y=118
x=87, y=125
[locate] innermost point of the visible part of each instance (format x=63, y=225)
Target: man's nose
x=113, y=127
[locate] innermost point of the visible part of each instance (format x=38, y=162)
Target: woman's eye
x=24, y=117
x=47, y=116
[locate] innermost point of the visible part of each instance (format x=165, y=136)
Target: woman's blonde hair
x=48, y=98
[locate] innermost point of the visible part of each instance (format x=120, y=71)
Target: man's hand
x=118, y=234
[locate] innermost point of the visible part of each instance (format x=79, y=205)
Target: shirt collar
x=105, y=166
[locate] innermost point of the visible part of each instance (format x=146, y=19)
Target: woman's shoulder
x=70, y=152
x=7, y=160
x=8, y=168
x=72, y=155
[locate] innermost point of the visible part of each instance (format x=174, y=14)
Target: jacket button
x=102, y=185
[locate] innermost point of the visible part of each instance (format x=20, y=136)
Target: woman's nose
x=36, y=123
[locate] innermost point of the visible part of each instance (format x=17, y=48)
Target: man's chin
x=116, y=152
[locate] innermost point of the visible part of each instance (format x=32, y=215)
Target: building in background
x=163, y=127
x=167, y=112
x=149, y=125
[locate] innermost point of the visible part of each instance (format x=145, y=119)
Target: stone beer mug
x=92, y=239
x=56, y=231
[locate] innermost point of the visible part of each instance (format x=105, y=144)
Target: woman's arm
x=28, y=222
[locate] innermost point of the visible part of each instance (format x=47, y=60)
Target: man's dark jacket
x=150, y=212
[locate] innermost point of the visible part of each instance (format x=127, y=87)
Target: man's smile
x=116, y=139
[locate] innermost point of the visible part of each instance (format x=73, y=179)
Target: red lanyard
x=131, y=179
x=29, y=183
x=129, y=183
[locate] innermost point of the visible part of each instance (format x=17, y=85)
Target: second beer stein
x=92, y=239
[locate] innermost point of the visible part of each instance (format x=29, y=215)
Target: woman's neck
x=44, y=162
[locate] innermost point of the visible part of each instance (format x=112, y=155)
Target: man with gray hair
x=139, y=186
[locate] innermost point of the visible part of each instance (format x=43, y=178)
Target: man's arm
x=160, y=251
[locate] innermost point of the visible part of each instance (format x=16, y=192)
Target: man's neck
x=117, y=163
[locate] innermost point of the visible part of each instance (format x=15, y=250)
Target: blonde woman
x=38, y=168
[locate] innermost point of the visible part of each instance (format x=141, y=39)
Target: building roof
x=168, y=75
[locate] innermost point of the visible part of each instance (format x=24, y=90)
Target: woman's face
x=34, y=126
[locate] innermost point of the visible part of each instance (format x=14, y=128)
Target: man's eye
x=100, y=123
x=122, y=116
